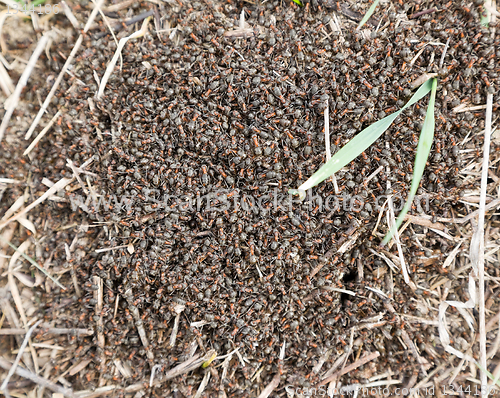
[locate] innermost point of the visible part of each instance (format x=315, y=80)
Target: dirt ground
x=149, y=245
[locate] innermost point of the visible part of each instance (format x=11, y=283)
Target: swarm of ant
x=221, y=106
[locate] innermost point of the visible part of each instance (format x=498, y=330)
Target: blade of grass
x=423, y=150
x=368, y=14
x=485, y=14
x=490, y=376
x=357, y=145
x=298, y=2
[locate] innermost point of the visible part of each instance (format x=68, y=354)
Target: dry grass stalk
x=391, y=221
x=187, y=366
x=57, y=331
x=422, y=79
x=464, y=108
x=424, y=364
x=462, y=220
x=41, y=134
x=138, y=323
x=108, y=249
x=14, y=99
x=68, y=250
x=18, y=357
x=106, y=21
x=424, y=222
x=270, y=387
x=61, y=184
x=477, y=241
x=203, y=385
x=327, y=144
x=76, y=174
x=78, y=367
x=340, y=360
x=121, y=44
x=98, y=296
x=5, y=81
x=365, y=359
x=178, y=308
x=12, y=284
x=69, y=14
x=452, y=255
x=316, y=369
x=64, y=69
x=243, y=31
x=4, y=243
x=41, y=381
x=119, y=6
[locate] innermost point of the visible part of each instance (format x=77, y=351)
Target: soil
x=179, y=240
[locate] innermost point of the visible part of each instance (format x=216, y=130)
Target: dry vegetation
x=423, y=312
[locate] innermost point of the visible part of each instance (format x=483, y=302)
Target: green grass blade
x=423, y=150
x=357, y=145
x=368, y=14
x=298, y=2
x=490, y=376
x=485, y=18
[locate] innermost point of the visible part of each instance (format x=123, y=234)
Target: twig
x=368, y=179
x=424, y=222
x=19, y=355
x=14, y=99
x=118, y=7
x=37, y=379
x=340, y=360
x=420, y=13
x=108, y=249
x=321, y=361
x=323, y=263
